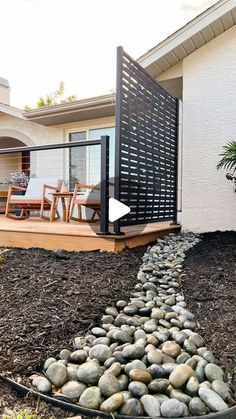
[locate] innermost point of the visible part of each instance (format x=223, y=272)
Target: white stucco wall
x=209, y=122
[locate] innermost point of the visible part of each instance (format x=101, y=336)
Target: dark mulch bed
x=210, y=288
x=49, y=298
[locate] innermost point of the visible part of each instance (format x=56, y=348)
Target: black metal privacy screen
x=146, y=145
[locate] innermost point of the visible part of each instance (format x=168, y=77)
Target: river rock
x=212, y=400
x=197, y=407
x=151, y=405
x=98, y=332
x=89, y=372
x=123, y=381
x=78, y=356
x=140, y=375
x=121, y=336
x=73, y=389
x=209, y=357
x=112, y=403
x=108, y=385
x=213, y=372
x=222, y=389
x=171, y=349
x=192, y=386
x=155, y=356
x=114, y=369
x=65, y=354
x=157, y=314
x=42, y=384
x=57, y=374
x=158, y=385
x=48, y=362
x=137, y=389
x=172, y=408
x=180, y=375
x=91, y=398
x=131, y=407
x=133, y=351
x=100, y=352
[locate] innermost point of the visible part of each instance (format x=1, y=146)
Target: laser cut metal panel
x=146, y=145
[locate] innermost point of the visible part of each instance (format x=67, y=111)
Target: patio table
x=65, y=198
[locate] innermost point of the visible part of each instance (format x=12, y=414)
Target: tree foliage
x=55, y=98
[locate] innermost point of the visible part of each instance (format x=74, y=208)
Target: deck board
x=75, y=236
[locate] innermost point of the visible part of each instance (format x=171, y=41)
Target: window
x=85, y=161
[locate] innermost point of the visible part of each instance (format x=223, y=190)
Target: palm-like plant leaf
x=228, y=157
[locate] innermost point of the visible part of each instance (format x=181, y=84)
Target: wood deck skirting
x=75, y=236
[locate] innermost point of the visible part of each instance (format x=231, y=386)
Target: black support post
x=104, y=219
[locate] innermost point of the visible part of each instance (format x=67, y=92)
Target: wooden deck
x=75, y=236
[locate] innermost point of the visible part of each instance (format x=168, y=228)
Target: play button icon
x=117, y=210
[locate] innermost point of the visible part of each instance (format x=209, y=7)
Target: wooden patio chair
x=37, y=198
x=79, y=200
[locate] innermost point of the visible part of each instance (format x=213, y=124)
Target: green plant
x=228, y=157
x=21, y=415
x=228, y=161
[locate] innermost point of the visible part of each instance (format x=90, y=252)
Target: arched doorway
x=16, y=162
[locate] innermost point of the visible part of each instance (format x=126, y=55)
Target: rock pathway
x=145, y=359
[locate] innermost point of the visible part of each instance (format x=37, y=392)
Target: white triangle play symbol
x=117, y=210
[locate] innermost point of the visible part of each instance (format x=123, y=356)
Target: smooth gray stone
x=197, y=407
x=150, y=326
x=80, y=342
x=113, y=403
x=130, y=309
x=158, y=385
x=197, y=340
x=112, y=311
x=100, y=352
x=115, y=369
x=192, y=386
x=73, y=389
x=209, y=357
x=156, y=371
x=213, y=372
x=108, y=385
x=72, y=373
x=136, y=364
x=42, y=384
x=123, y=381
x=179, y=395
x=172, y=408
x=133, y=351
x=98, y=332
x=48, y=362
x=103, y=341
x=89, y=372
x=190, y=347
x=151, y=405
x=57, y=374
x=91, y=398
x=182, y=358
x=65, y=354
x=121, y=337
x=212, y=400
x=78, y=356
x=137, y=389
x=131, y=407
x=200, y=370
x=109, y=362
x=121, y=304
x=155, y=356
x=222, y=389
